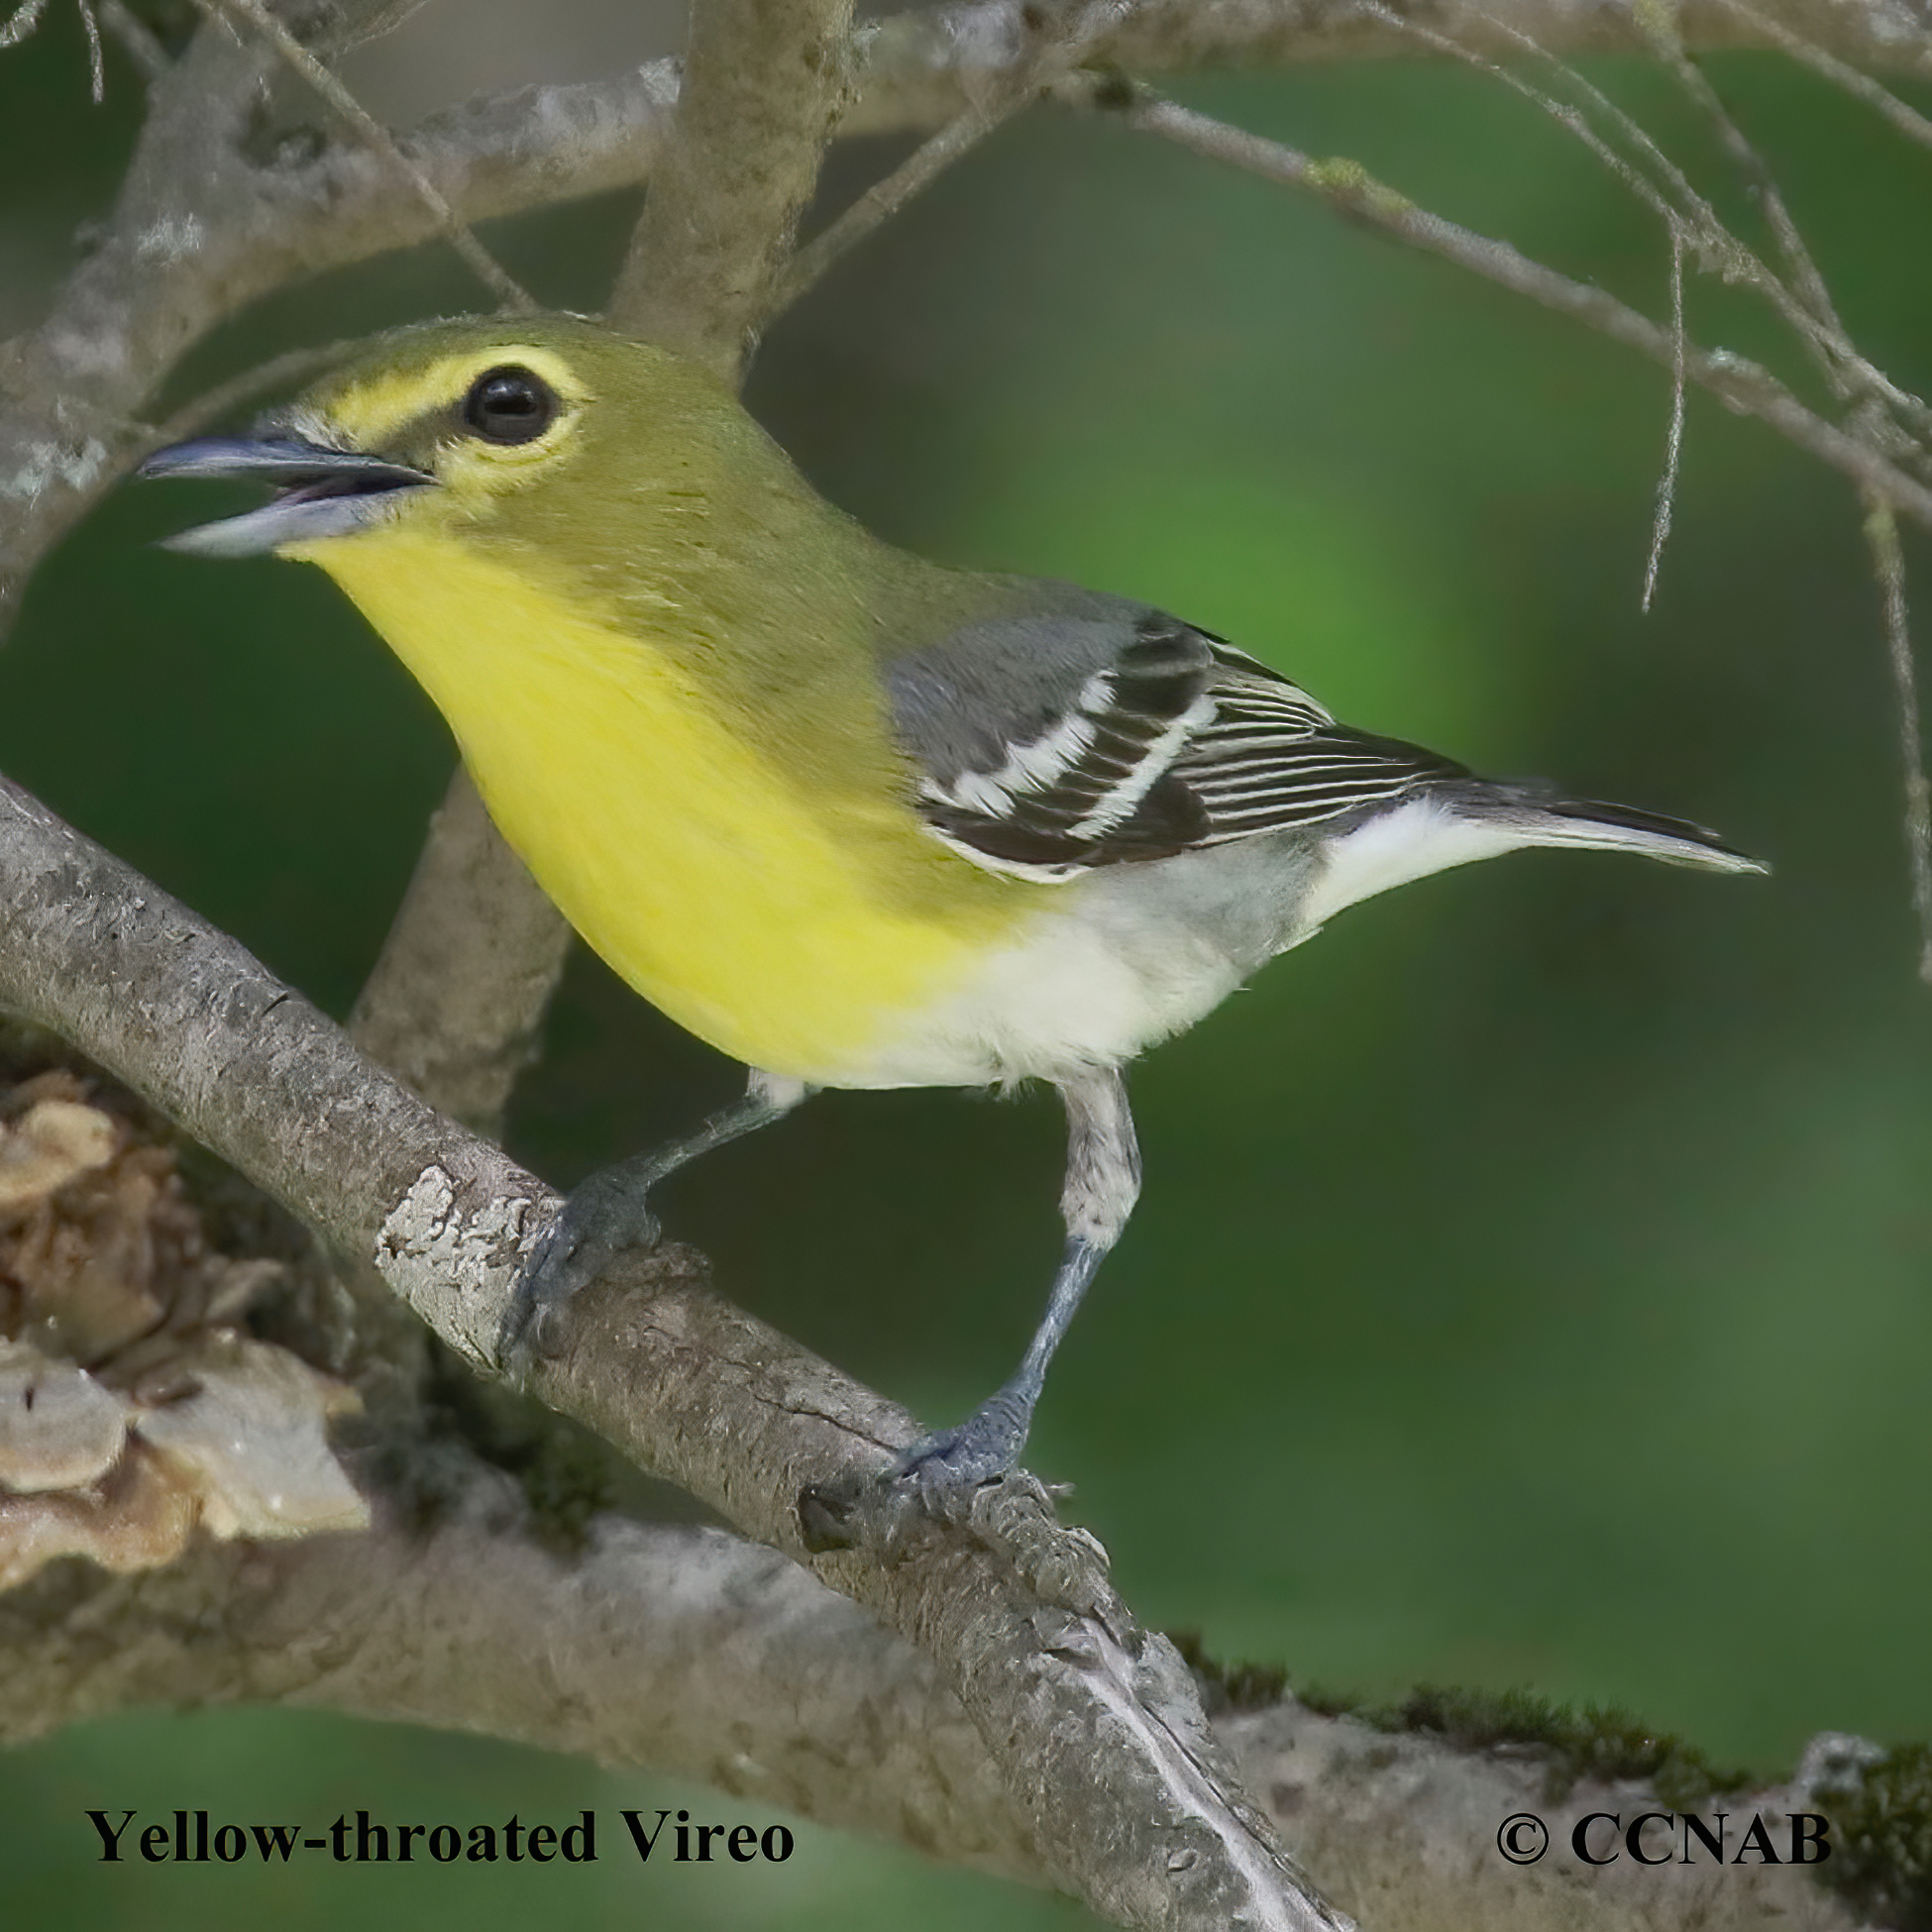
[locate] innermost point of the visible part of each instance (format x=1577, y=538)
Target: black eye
x=509, y=406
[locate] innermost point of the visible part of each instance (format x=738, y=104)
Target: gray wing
x=1104, y=732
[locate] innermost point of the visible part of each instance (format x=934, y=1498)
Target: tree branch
x=676, y=1650
x=1053, y=54
x=689, y=1653
x=1742, y=386
x=765, y=84
x=321, y=78
x=1410, y=1824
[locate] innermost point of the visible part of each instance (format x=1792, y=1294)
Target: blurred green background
x=1529, y=1288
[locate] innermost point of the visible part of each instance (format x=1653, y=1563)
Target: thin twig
x=508, y=291
x=1667, y=43
x=1017, y=88
x=1831, y=345
x=1800, y=293
x=1906, y=119
x=1676, y=201
x=887, y=197
x=1813, y=321
x=1348, y=187
x=1810, y=315
x=1807, y=307
x=96, y=58
x=1889, y=566
x=1667, y=484
x=1816, y=325
x=1700, y=223
x=1570, y=118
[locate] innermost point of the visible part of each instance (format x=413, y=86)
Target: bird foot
x=601, y=1219
x=942, y=1470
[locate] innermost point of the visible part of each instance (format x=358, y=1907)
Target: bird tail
x=1622, y=828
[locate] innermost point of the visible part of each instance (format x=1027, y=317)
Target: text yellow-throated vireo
x=856, y=820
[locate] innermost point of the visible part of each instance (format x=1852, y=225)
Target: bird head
x=490, y=424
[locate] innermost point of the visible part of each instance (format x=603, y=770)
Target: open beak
x=320, y=493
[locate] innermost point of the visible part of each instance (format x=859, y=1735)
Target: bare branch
x=1689, y=216
x=1742, y=386
x=96, y=54
x=766, y=82
x=922, y=68
x=884, y=200
x=1806, y=296
x=676, y=1649
x=1416, y=1823
x=21, y=22
x=690, y=1654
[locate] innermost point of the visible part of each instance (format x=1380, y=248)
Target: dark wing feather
x=1262, y=765
x=1112, y=733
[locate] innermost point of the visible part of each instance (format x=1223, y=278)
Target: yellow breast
x=794, y=935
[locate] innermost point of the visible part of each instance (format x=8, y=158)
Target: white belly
x=1109, y=964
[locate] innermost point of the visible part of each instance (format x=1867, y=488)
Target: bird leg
x=608, y=1212
x=1102, y=1181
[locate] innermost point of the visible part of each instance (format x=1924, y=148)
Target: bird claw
x=943, y=1469
x=595, y=1225
x=942, y=1479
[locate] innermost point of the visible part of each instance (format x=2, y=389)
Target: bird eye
x=509, y=406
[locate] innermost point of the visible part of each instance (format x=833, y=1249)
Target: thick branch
x=689, y=1653
x=1414, y=1822
x=675, y=1650
x=765, y=84
x=1094, y=1723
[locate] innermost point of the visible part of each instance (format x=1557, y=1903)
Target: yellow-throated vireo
x=855, y=820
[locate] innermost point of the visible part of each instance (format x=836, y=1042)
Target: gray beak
x=323, y=492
